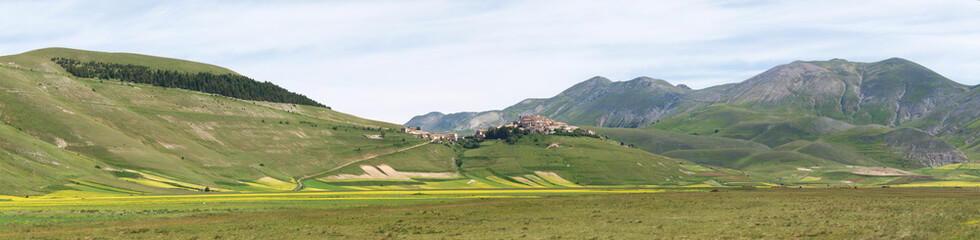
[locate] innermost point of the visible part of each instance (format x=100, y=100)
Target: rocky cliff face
x=923, y=148
x=958, y=123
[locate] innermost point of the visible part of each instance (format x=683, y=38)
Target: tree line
x=229, y=85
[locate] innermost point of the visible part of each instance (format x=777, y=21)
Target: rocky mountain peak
x=587, y=86
x=596, y=80
x=649, y=83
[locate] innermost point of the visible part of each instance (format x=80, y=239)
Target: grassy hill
x=901, y=148
x=659, y=141
x=40, y=60
x=842, y=155
x=531, y=162
x=582, y=160
x=60, y=130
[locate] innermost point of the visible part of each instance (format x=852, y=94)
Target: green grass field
x=776, y=213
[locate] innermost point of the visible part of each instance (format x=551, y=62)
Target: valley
x=112, y=156
x=745, y=119
x=106, y=135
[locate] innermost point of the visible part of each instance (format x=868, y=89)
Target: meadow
x=583, y=213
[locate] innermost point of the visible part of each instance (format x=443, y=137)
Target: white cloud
x=376, y=58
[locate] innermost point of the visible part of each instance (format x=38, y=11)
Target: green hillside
x=769, y=128
x=835, y=155
x=582, y=160
x=904, y=148
x=532, y=161
x=40, y=60
x=659, y=141
x=144, y=138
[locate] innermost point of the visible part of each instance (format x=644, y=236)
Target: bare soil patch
x=881, y=171
x=712, y=174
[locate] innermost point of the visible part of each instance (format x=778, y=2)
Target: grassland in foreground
x=895, y=213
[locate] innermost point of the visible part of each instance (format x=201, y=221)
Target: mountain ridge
x=894, y=94
x=861, y=93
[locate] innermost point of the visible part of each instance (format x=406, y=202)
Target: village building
x=541, y=124
x=532, y=123
x=451, y=136
x=413, y=130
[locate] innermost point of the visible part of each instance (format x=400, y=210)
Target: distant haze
x=391, y=60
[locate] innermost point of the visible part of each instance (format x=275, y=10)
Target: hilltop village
x=531, y=123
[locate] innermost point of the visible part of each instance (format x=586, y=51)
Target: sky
x=392, y=60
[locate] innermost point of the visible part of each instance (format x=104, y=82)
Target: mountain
x=601, y=102
x=889, y=92
x=812, y=101
x=958, y=122
x=594, y=102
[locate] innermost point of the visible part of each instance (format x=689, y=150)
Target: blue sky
x=391, y=60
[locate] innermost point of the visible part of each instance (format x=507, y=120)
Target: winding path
x=299, y=182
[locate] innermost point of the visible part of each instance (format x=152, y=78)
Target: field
x=779, y=213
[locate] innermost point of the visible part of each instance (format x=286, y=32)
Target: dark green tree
x=229, y=85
